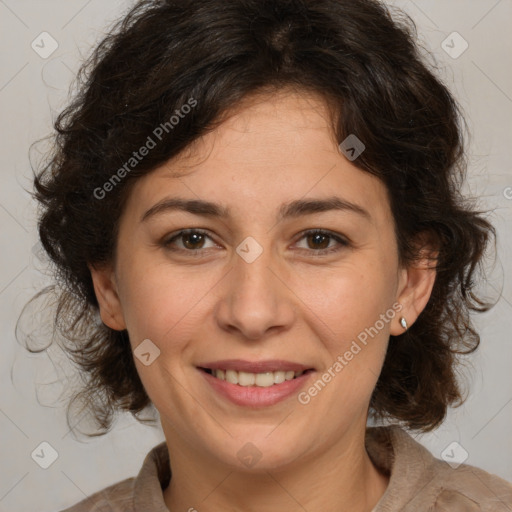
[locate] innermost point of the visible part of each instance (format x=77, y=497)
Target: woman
x=261, y=200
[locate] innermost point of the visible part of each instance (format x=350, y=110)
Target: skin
x=290, y=303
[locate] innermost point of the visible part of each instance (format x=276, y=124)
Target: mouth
x=255, y=384
x=250, y=379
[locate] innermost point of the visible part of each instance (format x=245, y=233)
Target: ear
x=105, y=288
x=415, y=283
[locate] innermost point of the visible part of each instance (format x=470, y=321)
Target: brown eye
x=318, y=241
x=191, y=240
x=322, y=242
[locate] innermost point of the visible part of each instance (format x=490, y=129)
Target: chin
x=256, y=451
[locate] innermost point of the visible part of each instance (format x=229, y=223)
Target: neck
x=342, y=479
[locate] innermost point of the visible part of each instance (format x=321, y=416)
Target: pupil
x=316, y=237
x=196, y=236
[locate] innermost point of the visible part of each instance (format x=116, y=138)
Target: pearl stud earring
x=403, y=323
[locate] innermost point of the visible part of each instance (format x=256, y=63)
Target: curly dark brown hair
x=366, y=63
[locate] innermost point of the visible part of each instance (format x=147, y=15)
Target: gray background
x=34, y=88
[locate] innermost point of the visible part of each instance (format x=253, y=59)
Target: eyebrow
x=292, y=209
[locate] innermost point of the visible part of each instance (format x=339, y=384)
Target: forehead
x=270, y=150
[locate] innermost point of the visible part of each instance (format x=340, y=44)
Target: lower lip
x=255, y=396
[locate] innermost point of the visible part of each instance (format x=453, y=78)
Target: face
x=293, y=267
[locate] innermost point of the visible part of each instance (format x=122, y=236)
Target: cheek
x=162, y=302
x=348, y=299
x=345, y=310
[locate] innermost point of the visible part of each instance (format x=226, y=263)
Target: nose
x=255, y=299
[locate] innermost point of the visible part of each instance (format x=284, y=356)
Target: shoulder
x=469, y=488
x=142, y=492
x=419, y=481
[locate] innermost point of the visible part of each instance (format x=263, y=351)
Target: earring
x=403, y=322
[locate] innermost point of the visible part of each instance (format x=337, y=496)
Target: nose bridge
x=255, y=300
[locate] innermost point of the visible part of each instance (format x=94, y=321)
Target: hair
x=212, y=54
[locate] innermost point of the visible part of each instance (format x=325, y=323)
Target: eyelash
x=342, y=242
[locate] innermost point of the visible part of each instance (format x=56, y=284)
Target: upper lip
x=269, y=365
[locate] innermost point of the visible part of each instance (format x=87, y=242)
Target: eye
x=320, y=241
x=192, y=240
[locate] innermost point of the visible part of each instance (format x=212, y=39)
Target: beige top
x=418, y=483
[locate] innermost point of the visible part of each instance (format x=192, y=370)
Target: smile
x=255, y=384
x=246, y=379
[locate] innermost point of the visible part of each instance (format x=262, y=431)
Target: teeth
x=262, y=380
x=231, y=376
x=246, y=379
